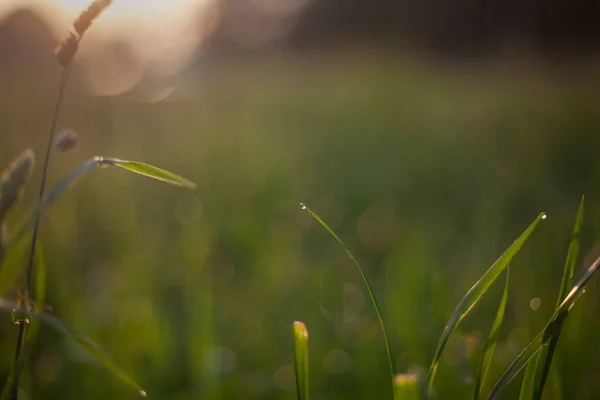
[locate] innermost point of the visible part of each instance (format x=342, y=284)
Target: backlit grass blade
x=475, y=293
x=150, y=171
x=407, y=387
x=546, y=355
x=82, y=340
x=528, y=385
x=301, y=359
x=544, y=337
x=369, y=289
x=8, y=264
x=490, y=345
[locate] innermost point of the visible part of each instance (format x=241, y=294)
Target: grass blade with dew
x=85, y=342
x=547, y=354
x=476, y=292
x=9, y=264
x=151, y=172
x=490, y=345
x=554, y=325
x=301, y=359
x=369, y=289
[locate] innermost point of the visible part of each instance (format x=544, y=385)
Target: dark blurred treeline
x=466, y=28
x=462, y=27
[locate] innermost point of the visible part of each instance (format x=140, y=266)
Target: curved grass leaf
x=490, y=345
x=150, y=171
x=80, y=339
x=544, y=337
x=546, y=355
x=407, y=387
x=12, y=254
x=475, y=293
x=369, y=289
x=301, y=359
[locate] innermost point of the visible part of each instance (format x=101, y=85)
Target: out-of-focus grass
x=427, y=172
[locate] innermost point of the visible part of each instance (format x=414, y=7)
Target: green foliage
x=476, y=292
x=553, y=328
x=492, y=340
x=96, y=351
x=546, y=355
x=301, y=359
x=369, y=289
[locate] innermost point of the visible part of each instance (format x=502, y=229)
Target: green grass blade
x=369, y=290
x=9, y=261
x=554, y=325
x=547, y=354
x=34, y=326
x=528, y=385
x=301, y=359
x=407, y=387
x=475, y=293
x=151, y=172
x=490, y=345
x=80, y=339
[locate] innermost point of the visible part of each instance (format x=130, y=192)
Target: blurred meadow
x=427, y=165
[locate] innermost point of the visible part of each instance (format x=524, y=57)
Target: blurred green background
x=427, y=169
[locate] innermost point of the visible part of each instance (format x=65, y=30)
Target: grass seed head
x=85, y=19
x=67, y=49
x=13, y=180
x=65, y=141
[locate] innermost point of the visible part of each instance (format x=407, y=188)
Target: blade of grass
x=407, y=386
x=369, y=290
x=11, y=257
x=475, y=293
x=34, y=326
x=544, y=337
x=490, y=345
x=150, y=171
x=301, y=359
x=547, y=354
x=80, y=339
x=528, y=385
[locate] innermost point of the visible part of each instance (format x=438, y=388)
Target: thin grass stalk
x=13, y=394
x=369, y=290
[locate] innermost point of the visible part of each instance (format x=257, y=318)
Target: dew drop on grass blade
x=369, y=290
x=301, y=359
x=476, y=292
x=547, y=354
x=490, y=345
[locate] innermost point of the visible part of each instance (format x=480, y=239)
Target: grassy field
x=427, y=170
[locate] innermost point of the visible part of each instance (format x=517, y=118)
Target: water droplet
x=544, y=216
x=302, y=206
x=143, y=393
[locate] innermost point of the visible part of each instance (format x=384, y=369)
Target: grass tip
x=303, y=206
x=405, y=379
x=300, y=329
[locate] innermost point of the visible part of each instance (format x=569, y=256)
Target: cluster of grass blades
x=31, y=298
x=537, y=356
x=25, y=309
